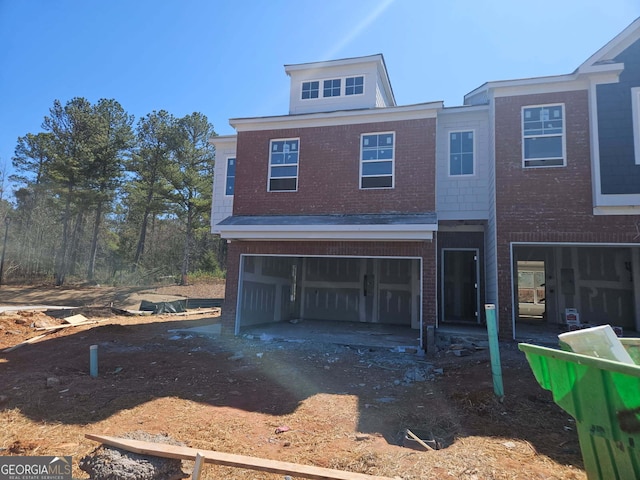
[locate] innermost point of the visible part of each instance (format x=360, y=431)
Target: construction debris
x=75, y=319
x=227, y=459
x=112, y=463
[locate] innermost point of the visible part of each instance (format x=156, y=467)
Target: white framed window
x=635, y=103
x=377, y=153
x=331, y=88
x=310, y=89
x=543, y=136
x=461, y=153
x=354, y=85
x=230, y=176
x=283, y=165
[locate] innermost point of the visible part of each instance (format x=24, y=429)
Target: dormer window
x=354, y=86
x=310, y=90
x=331, y=88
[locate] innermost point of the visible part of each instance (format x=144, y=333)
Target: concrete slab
x=207, y=330
x=32, y=308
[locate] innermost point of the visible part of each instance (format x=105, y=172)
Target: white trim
x=635, y=111
x=222, y=141
x=364, y=83
x=343, y=86
x=461, y=175
x=393, y=162
x=297, y=165
x=618, y=210
x=614, y=47
x=302, y=90
x=579, y=244
x=611, y=203
x=377, y=60
x=338, y=118
x=552, y=84
x=594, y=138
x=329, y=232
x=226, y=174
x=563, y=136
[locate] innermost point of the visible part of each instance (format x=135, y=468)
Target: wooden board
x=75, y=319
x=231, y=460
x=26, y=342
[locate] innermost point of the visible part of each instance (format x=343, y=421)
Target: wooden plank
x=26, y=342
x=58, y=327
x=231, y=460
x=75, y=319
x=197, y=468
x=419, y=440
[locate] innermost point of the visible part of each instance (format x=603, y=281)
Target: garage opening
x=599, y=282
x=333, y=290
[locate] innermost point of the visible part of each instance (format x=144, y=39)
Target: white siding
x=376, y=85
x=463, y=197
x=222, y=206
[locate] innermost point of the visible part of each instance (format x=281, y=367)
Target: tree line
x=102, y=198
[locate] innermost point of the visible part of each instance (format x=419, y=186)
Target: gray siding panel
x=618, y=172
x=463, y=197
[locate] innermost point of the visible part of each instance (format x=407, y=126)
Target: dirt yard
x=325, y=405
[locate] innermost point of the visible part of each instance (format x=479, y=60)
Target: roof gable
x=613, y=48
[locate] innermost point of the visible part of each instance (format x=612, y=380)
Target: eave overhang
x=367, y=227
x=578, y=80
x=336, y=118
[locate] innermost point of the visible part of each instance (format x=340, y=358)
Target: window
x=231, y=176
x=543, y=136
x=354, y=86
x=376, y=160
x=331, y=88
x=310, y=90
x=461, y=153
x=283, y=165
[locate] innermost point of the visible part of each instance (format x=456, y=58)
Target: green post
x=494, y=350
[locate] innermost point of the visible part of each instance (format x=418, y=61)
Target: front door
x=460, y=294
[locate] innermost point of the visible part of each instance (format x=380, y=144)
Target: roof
x=382, y=226
x=338, y=117
x=601, y=62
x=614, y=47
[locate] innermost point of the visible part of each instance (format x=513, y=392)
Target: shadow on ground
x=448, y=396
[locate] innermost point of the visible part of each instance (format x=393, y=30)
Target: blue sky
x=225, y=58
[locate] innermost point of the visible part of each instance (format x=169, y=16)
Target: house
x=354, y=209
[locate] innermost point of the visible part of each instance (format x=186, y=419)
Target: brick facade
x=553, y=204
x=329, y=175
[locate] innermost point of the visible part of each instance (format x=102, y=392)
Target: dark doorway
x=460, y=298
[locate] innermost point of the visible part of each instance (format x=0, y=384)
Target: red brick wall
x=425, y=250
x=329, y=175
x=546, y=204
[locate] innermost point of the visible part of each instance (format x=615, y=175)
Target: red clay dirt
x=332, y=406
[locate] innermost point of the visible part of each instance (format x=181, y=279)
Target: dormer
x=347, y=84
